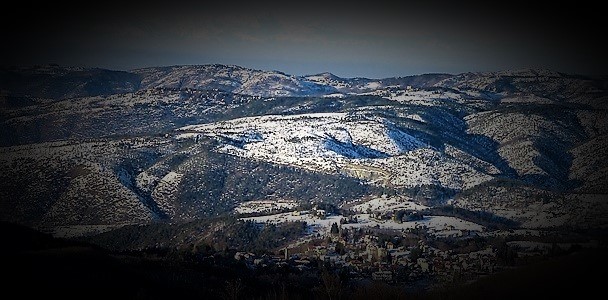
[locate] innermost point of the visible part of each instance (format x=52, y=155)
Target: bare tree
x=332, y=284
x=233, y=289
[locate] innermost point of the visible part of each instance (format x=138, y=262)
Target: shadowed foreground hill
x=171, y=171
x=574, y=276
x=39, y=265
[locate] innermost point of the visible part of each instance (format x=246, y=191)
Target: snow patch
x=369, y=148
x=264, y=206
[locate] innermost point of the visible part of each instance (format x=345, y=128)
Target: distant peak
x=326, y=75
x=524, y=72
x=211, y=68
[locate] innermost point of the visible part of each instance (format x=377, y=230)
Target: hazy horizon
x=281, y=71
x=374, y=41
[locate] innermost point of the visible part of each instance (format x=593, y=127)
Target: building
x=423, y=264
x=386, y=276
x=319, y=213
x=390, y=245
x=382, y=253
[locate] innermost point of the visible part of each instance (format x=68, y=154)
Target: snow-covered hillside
x=590, y=168
x=264, y=83
x=231, y=79
x=346, y=85
x=372, y=149
x=70, y=183
x=533, y=85
x=96, y=147
x=535, y=145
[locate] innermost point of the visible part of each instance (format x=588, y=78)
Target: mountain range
x=99, y=147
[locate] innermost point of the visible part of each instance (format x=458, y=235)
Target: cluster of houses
x=366, y=257
x=390, y=255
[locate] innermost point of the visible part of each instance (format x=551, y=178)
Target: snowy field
x=315, y=224
x=385, y=204
x=264, y=206
x=437, y=225
x=442, y=226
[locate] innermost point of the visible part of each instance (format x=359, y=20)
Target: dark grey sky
x=369, y=40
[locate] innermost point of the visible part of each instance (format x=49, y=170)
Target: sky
x=372, y=39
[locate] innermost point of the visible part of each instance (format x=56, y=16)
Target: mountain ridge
x=47, y=81
x=429, y=137
x=430, y=179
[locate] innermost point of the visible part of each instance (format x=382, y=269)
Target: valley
x=419, y=181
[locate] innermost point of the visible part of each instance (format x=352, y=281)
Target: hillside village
x=416, y=181
x=399, y=246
